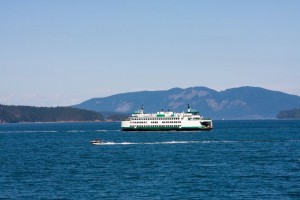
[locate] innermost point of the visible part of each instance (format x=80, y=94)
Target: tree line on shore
x=289, y=114
x=16, y=114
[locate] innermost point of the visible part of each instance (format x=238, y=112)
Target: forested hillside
x=15, y=114
x=289, y=114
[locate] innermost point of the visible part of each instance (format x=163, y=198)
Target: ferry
x=166, y=121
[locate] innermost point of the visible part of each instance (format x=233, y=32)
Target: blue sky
x=60, y=52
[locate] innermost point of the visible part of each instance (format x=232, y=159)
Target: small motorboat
x=97, y=141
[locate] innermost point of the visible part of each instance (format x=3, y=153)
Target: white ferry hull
x=165, y=129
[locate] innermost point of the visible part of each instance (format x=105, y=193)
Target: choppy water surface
x=236, y=160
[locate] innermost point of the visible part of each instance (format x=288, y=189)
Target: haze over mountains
x=236, y=103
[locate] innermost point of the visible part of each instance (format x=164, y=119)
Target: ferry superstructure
x=166, y=121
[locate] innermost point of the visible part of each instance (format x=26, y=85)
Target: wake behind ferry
x=166, y=121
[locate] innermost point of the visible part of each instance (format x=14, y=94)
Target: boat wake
x=159, y=143
x=187, y=142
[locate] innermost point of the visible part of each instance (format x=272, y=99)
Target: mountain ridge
x=244, y=102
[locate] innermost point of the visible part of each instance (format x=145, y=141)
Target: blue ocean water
x=257, y=159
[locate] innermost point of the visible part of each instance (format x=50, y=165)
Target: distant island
x=236, y=103
x=289, y=114
x=17, y=114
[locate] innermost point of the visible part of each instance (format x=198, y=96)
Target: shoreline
x=58, y=122
x=110, y=121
